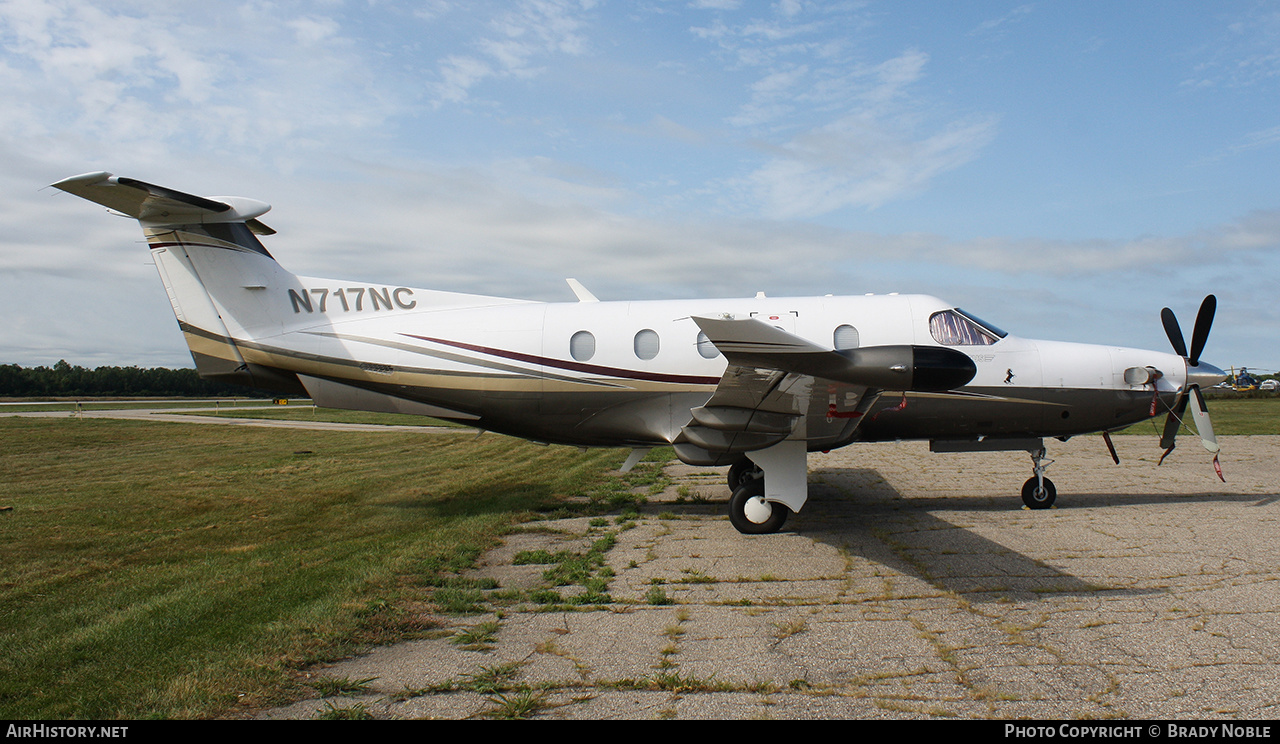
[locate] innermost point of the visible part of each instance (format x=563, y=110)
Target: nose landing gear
x=1039, y=492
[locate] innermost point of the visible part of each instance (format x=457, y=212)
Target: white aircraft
x=754, y=383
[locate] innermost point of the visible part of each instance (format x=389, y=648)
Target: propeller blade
x=1204, y=319
x=1199, y=412
x=1200, y=415
x=1173, y=331
x=1172, y=423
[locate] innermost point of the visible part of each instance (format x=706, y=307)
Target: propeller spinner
x=1197, y=374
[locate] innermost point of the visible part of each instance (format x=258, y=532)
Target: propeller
x=1197, y=374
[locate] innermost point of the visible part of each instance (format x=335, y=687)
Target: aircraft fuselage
x=628, y=373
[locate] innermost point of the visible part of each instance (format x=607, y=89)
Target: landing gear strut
x=743, y=472
x=750, y=514
x=1039, y=492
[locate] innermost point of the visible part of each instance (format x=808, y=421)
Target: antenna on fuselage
x=583, y=294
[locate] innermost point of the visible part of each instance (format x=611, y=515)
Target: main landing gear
x=743, y=472
x=1039, y=492
x=750, y=512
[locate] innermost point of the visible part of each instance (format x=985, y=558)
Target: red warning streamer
x=898, y=407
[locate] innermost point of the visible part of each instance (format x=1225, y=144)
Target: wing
x=780, y=386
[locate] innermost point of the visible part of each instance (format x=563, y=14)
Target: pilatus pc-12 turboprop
x=753, y=383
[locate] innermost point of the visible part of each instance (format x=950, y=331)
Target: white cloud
x=772, y=97
x=75, y=276
x=860, y=161
x=1000, y=25
x=517, y=41
x=716, y=4
x=313, y=30
x=458, y=75
x=836, y=132
x=788, y=8
x=894, y=75
x=1245, y=54
x=876, y=150
x=548, y=220
x=1251, y=141
x=137, y=75
x=429, y=10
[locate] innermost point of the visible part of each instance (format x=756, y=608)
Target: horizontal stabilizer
x=156, y=205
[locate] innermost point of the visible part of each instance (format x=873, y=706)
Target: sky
x=1062, y=169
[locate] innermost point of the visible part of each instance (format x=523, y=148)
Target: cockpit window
x=985, y=325
x=958, y=328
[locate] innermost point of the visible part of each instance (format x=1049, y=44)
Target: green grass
x=344, y=686
x=238, y=408
x=492, y=679
x=516, y=705
x=1230, y=416
x=336, y=415
x=100, y=404
x=172, y=570
x=477, y=638
x=655, y=596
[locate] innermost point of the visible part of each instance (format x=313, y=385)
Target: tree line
x=66, y=380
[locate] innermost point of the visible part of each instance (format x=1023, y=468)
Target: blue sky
x=1063, y=169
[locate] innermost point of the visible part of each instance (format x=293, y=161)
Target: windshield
x=958, y=328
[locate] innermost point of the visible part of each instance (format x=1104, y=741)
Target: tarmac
x=912, y=585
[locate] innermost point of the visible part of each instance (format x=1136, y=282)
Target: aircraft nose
x=1204, y=374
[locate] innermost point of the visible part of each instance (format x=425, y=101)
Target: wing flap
x=731, y=418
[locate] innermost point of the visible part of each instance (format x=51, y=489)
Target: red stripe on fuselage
x=592, y=369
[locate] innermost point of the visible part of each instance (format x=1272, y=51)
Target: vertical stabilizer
x=216, y=272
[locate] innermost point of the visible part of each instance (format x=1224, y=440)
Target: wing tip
x=84, y=179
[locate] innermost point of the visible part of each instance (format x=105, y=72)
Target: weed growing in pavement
x=335, y=686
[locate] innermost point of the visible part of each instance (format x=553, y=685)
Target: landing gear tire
x=1036, y=497
x=743, y=472
x=750, y=514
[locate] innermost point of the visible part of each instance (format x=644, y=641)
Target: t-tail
x=219, y=277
